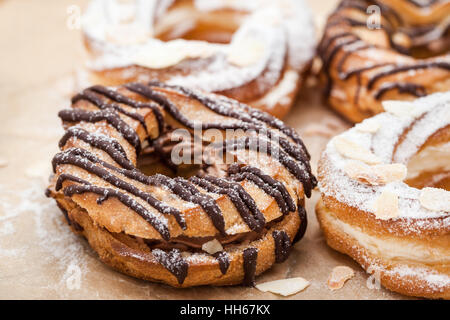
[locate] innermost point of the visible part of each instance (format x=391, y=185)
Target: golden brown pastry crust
x=410, y=251
x=153, y=227
x=406, y=58
x=411, y=285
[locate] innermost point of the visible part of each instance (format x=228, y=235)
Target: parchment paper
x=41, y=55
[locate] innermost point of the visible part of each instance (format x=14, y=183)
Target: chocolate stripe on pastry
x=304, y=223
x=175, y=112
x=173, y=262
x=258, y=221
x=282, y=245
x=234, y=197
x=128, y=201
x=65, y=176
x=111, y=146
x=226, y=109
x=256, y=143
x=94, y=99
x=297, y=153
x=269, y=180
x=250, y=256
x=411, y=88
x=224, y=261
x=84, y=164
x=120, y=98
x=274, y=193
x=187, y=192
x=340, y=39
x=404, y=68
x=75, y=115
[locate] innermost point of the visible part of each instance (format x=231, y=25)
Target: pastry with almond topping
x=385, y=187
x=254, y=51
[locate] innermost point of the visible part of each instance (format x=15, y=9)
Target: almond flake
x=212, y=246
x=160, y=56
x=376, y=175
x=339, y=276
x=402, y=109
x=354, y=151
x=368, y=126
x=435, y=199
x=284, y=287
x=386, y=206
x=246, y=52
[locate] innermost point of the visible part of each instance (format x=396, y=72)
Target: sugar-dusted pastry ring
x=409, y=250
x=407, y=57
x=253, y=51
x=154, y=227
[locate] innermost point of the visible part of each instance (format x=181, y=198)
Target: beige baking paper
x=41, y=55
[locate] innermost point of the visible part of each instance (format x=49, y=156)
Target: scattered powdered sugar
x=423, y=128
x=57, y=245
x=337, y=184
x=7, y=229
x=438, y=282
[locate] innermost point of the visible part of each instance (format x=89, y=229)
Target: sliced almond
x=391, y=172
x=284, y=287
x=368, y=126
x=354, y=151
x=435, y=199
x=401, y=39
x=171, y=53
x=246, y=52
x=339, y=276
x=386, y=206
x=401, y=109
x=376, y=175
x=212, y=246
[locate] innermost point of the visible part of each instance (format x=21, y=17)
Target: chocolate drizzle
x=108, y=115
x=282, y=245
x=254, y=117
x=92, y=95
x=265, y=182
x=303, y=224
x=67, y=158
x=173, y=262
x=242, y=201
x=188, y=192
x=111, y=146
x=123, y=178
x=250, y=256
x=411, y=88
x=224, y=261
x=346, y=42
x=263, y=145
x=106, y=193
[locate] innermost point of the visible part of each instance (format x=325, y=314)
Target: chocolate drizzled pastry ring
x=384, y=50
x=156, y=227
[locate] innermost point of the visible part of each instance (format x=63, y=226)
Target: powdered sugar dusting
x=434, y=114
x=285, y=28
